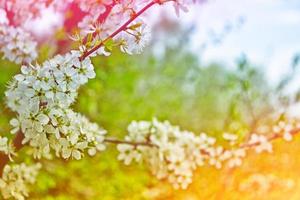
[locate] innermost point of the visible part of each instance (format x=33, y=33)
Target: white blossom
x=15, y=179
x=93, y=6
x=42, y=96
x=261, y=143
x=134, y=40
x=232, y=138
x=17, y=45
x=6, y=147
x=26, y=10
x=128, y=153
x=236, y=157
x=285, y=128
x=170, y=152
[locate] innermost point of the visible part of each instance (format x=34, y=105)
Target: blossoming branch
x=42, y=96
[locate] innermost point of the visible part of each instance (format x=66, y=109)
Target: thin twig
x=117, y=141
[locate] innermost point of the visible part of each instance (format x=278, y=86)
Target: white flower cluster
x=42, y=95
x=110, y=13
x=133, y=38
x=234, y=157
x=174, y=154
x=285, y=128
x=13, y=183
x=15, y=43
x=260, y=143
x=219, y=155
x=94, y=7
x=231, y=138
x=25, y=10
x=6, y=147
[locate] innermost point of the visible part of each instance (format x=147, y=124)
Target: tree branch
x=4, y=159
x=117, y=141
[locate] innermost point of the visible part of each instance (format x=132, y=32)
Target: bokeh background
x=224, y=66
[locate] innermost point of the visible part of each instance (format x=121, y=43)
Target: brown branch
x=4, y=159
x=135, y=144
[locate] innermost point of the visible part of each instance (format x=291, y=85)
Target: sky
x=267, y=31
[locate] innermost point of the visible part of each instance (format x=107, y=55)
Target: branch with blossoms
x=42, y=96
x=124, y=27
x=176, y=153
x=101, y=18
